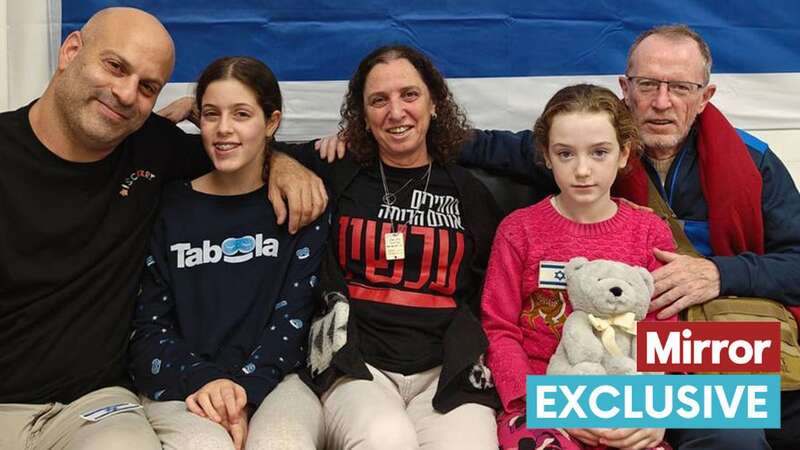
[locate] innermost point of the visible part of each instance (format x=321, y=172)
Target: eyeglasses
x=651, y=85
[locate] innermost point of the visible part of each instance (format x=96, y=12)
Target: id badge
x=552, y=275
x=394, y=246
x=99, y=414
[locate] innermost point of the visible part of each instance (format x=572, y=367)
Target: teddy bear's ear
x=647, y=278
x=575, y=264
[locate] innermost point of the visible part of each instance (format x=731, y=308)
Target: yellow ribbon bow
x=625, y=322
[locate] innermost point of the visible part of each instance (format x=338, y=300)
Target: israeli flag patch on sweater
x=552, y=275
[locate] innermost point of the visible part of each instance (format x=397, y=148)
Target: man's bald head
x=132, y=24
x=109, y=76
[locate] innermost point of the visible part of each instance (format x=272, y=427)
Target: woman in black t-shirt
x=397, y=356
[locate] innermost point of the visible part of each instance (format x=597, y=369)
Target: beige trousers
x=59, y=426
x=394, y=411
x=289, y=418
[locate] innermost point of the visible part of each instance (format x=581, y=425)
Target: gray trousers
x=395, y=412
x=289, y=418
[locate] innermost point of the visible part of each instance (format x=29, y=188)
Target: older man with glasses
x=738, y=203
x=666, y=86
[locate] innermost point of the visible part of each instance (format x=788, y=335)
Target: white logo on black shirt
x=232, y=250
x=426, y=210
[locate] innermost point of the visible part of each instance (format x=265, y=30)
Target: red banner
x=708, y=346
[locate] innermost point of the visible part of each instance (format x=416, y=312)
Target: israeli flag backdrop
x=503, y=58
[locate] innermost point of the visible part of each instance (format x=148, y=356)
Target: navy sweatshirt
x=772, y=275
x=226, y=293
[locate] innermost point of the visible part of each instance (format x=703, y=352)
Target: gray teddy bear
x=599, y=337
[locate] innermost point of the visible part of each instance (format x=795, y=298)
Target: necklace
x=389, y=198
x=394, y=241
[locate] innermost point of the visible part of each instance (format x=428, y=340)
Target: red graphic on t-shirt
x=389, y=281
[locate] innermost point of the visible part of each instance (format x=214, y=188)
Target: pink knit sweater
x=522, y=321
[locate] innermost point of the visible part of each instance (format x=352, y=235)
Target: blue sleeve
x=163, y=366
x=772, y=275
x=503, y=151
x=281, y=347
x=507, y=153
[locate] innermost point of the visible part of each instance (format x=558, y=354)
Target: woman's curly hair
x=447, y=131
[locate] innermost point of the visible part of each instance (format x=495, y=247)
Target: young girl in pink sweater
x=585, y=136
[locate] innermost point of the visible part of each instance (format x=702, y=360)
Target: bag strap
x=683, y=245
x=662, y=209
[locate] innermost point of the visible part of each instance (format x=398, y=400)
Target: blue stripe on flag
x=307, y=40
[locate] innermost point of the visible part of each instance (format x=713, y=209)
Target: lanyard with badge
x=394, y=241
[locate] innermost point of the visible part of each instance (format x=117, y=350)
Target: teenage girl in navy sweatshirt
x=225, y=301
